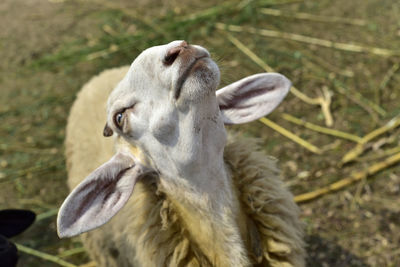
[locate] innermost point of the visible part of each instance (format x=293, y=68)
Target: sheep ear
x=100, y=195
x=252, y=97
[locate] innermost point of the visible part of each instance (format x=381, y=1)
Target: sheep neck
x=210, y=211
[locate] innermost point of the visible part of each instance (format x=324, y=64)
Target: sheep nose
x=174, y=52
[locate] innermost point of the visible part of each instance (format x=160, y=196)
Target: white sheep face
x=168, y=107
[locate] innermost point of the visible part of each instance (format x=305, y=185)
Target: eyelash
x=116, y=118
x=121, y=112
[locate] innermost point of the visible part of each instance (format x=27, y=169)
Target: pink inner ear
x=252, y=97
x=99, y=196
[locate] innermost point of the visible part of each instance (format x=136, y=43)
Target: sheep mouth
x=197, y=63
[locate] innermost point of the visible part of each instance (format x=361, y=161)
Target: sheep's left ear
x=252, y=97
x=100, y=195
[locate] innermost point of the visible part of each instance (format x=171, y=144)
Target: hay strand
x=311, y=40
x=385, y=81
x=359, y=99
x=291, y=136
x=44, y=256
x=311, y=17
x=209, y=12
x=47, y=214
x=133, y=14
x=359, y=149
x=321, y=129
x=385, y=153
x=389, y=75
x=354, y=177
x=71, y=252
x=89, y=264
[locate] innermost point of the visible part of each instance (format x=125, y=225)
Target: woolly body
x=153, y=230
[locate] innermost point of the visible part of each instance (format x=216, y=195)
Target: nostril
x=174, y=52
x=184, y=44
x=171, y=55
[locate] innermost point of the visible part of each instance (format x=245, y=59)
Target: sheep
x=187, y=192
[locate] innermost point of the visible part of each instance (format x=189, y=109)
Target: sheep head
x=167, y=106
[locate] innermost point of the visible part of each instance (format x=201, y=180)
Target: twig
x=36, y=169
x=109, y=30
x=89, y=264
x=35, y=201
x=331, y=146
x=311, y=17
x=360, y=99
x=354, y=177
x=389, y=75
x=355, y=152
x=279, y=2
x=320, y=62
x=311, y=40
x=357, y=101
x=212, y=11
x=385, y=153
x=283, y=3
x=291, y=136
x=26, y=149
x=320, y=129
x=256, y=59
x=133, y=14
x=325, y=102
x=103, y=53
x=386, y=80
x=216, y=10
x=71, y=252
x=47, y=214
x=354, y=96
x=44, y=256
x=357, y=195
x=383, y=141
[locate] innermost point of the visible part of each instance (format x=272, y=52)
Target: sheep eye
x=118, y=119
x=119, y=116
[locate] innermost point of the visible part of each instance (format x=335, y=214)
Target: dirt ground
x=50, y=48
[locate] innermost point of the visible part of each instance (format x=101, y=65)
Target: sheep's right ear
x=100, y=195
x=252, y=97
